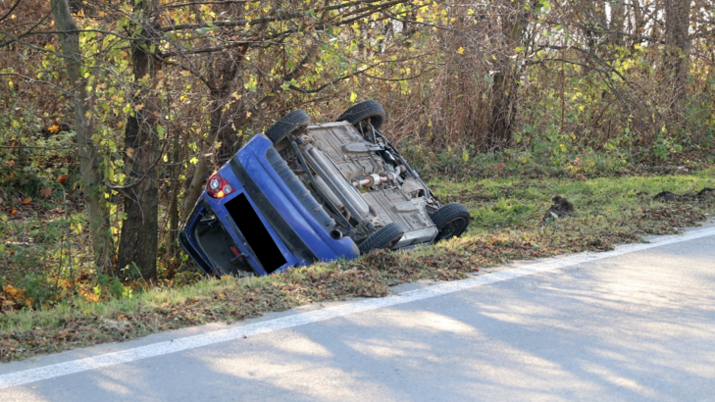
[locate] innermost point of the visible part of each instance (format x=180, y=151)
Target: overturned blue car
x=302, y=193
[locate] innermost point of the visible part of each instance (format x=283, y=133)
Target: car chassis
x=302, y=193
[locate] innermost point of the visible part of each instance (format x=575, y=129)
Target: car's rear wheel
x=385, y=237
x=291, y=123
x=451, y=220
x=368, y=111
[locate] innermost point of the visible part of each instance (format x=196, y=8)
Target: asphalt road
x=636, y=325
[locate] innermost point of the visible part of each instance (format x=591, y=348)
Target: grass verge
x=510, y=223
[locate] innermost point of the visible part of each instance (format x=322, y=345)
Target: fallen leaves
x=12, y=298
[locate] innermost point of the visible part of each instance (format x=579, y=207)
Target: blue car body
x=262, y=226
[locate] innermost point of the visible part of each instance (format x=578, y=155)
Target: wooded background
x=136, y=103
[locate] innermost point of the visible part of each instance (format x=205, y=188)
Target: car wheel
x=451, y=220
x=289, y=124
x=370, y=111
x=385, y=237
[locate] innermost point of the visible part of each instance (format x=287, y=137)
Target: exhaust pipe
x=372, y=180
x=343, y=188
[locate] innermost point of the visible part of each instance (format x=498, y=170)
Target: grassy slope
x=508, y=225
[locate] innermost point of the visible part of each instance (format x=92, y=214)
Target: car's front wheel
x=451, y=221
x=368, y=111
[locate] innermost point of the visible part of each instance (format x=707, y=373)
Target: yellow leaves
x=14, y=298
x=470, y=12
x=13, y=292
x=54, y=129
x=27, y=200
x=139, y=107
x=353, y=96
x=252, y=84
x=460, y=50
x=91, y=297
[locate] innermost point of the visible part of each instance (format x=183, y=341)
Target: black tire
x=289, y=124
x=365, y=111
x=385, y=237
x=451, y=221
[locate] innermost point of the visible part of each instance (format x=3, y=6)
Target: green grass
x=508, y=225
x=613, y=202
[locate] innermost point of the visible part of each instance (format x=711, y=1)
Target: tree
x=513, y=22
x=89, y=157
x=677, y=53
x=140, y=229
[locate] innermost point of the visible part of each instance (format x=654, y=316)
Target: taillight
x=218, y=187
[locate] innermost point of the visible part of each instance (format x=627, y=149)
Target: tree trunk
x=140, y=230
x=503, y=110
x=174, y=188
x=677, y=51
x=617, y=22
x=593, y=17
x=638, y=21
x=514, y=20
x=196, y=186
x=89, y=157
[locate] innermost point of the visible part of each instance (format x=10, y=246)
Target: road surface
x=637, y=324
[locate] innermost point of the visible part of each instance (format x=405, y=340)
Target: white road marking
x=239, y=331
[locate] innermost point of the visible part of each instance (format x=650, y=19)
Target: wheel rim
x=452, y=228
